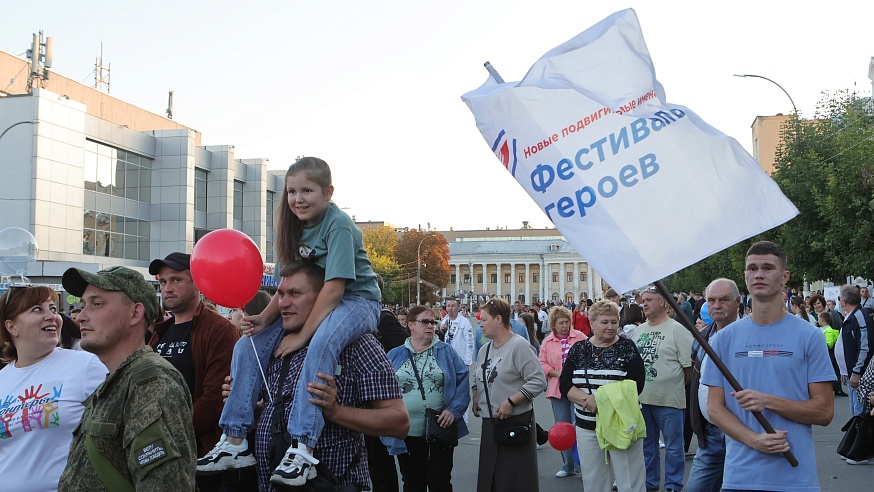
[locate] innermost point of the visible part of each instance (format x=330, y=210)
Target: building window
x=117, y=172
x=115, y=236
x=271, y=208
x=521, y=278
x=535, y=298
x=452, y=278
x=479, y=278
x=268, y=255
x=238, y=200
x=554, y=277
x=467, y=279
x=506, y=278
x=555, y=296
x=494, y=278
x=200, y=178
x=582, y=276
x=570, y=277
x=535, y=278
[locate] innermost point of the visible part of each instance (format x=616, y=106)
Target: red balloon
x=562, y=436
x=227, y=268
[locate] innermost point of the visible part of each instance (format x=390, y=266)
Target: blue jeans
x=707, y=467
x=855, y=405
x=353, y=318
x=563, y=411
x=358, y=317
x=238, y=414
x=669, y=422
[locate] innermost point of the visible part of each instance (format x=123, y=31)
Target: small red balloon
x=227, y=268
x=562, y=436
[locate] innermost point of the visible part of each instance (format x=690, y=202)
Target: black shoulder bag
x=280, y=441
x=446, y=437
x=513, y=431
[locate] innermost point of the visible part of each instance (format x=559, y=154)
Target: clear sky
x=374, y=87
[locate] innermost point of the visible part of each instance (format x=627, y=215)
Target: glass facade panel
x=117, y=172
x=238, y=200
x=200, y=178
x=115, y=236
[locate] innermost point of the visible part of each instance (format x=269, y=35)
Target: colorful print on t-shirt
x=34, y=407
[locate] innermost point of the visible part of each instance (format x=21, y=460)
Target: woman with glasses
x=41, y=389
x=553, y=353
x=506, y=379
x=431, y=376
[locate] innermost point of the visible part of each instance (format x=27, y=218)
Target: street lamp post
x=794, y=109
x=419, y=267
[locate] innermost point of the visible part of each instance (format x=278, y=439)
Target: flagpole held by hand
x=687, y=323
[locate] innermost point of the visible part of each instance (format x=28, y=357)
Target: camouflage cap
x=116, y=278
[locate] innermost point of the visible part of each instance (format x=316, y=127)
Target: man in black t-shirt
x=199, y=343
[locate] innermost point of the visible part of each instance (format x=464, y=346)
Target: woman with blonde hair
x=553, y=353
x=505, y=380
x=602, y=359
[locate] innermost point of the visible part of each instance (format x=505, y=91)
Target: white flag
x=589, y=136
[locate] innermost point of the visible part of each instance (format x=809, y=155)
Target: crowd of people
x=319, y=387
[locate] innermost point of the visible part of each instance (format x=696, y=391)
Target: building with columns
x=527, y=265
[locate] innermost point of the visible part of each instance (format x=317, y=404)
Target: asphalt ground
x=834, y=474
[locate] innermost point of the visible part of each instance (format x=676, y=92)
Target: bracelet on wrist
x=511, y=402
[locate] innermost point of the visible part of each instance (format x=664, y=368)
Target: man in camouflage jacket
x=136, y=432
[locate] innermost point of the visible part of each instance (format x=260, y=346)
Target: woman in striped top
x=602, y=359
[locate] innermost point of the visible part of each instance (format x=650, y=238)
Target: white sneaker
x=661, y=444
x=562, y=474
x=296, y=468
x=540, y=446
x=226, y=456
x=854, y=462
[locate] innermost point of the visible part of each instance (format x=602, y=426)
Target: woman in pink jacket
x=553, y=352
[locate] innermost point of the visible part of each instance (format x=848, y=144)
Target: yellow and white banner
x=588, y=134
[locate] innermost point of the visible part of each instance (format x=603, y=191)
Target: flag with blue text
x=588, y=134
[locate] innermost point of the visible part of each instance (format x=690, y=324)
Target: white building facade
x=527, y=269
x=96, y=193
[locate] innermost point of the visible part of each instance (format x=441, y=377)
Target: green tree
x=825, y=166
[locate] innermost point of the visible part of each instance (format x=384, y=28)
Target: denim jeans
x=563, y=411
x=669, y=422
x=855, y=405
x=353, y=318
x=707, y=467
x=238, y=414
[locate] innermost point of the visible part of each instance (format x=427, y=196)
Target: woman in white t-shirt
x=41, y=390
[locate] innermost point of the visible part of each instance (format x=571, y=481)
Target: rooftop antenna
x=170, y=106
x=101, y=73
x=40, y=56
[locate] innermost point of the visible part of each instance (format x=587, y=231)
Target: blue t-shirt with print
x=779, y=359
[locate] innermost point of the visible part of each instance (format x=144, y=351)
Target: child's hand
x=290, y=344
x=252, y=325
x=226, y=389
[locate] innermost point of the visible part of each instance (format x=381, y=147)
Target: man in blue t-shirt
x=783, y=365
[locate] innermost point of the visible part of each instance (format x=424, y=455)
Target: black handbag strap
x=486, y=380
x=418, y=378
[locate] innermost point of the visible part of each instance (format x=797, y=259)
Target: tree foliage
x=825, y=166
x=827, y=173
x=434, y=258
x=381, y=244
